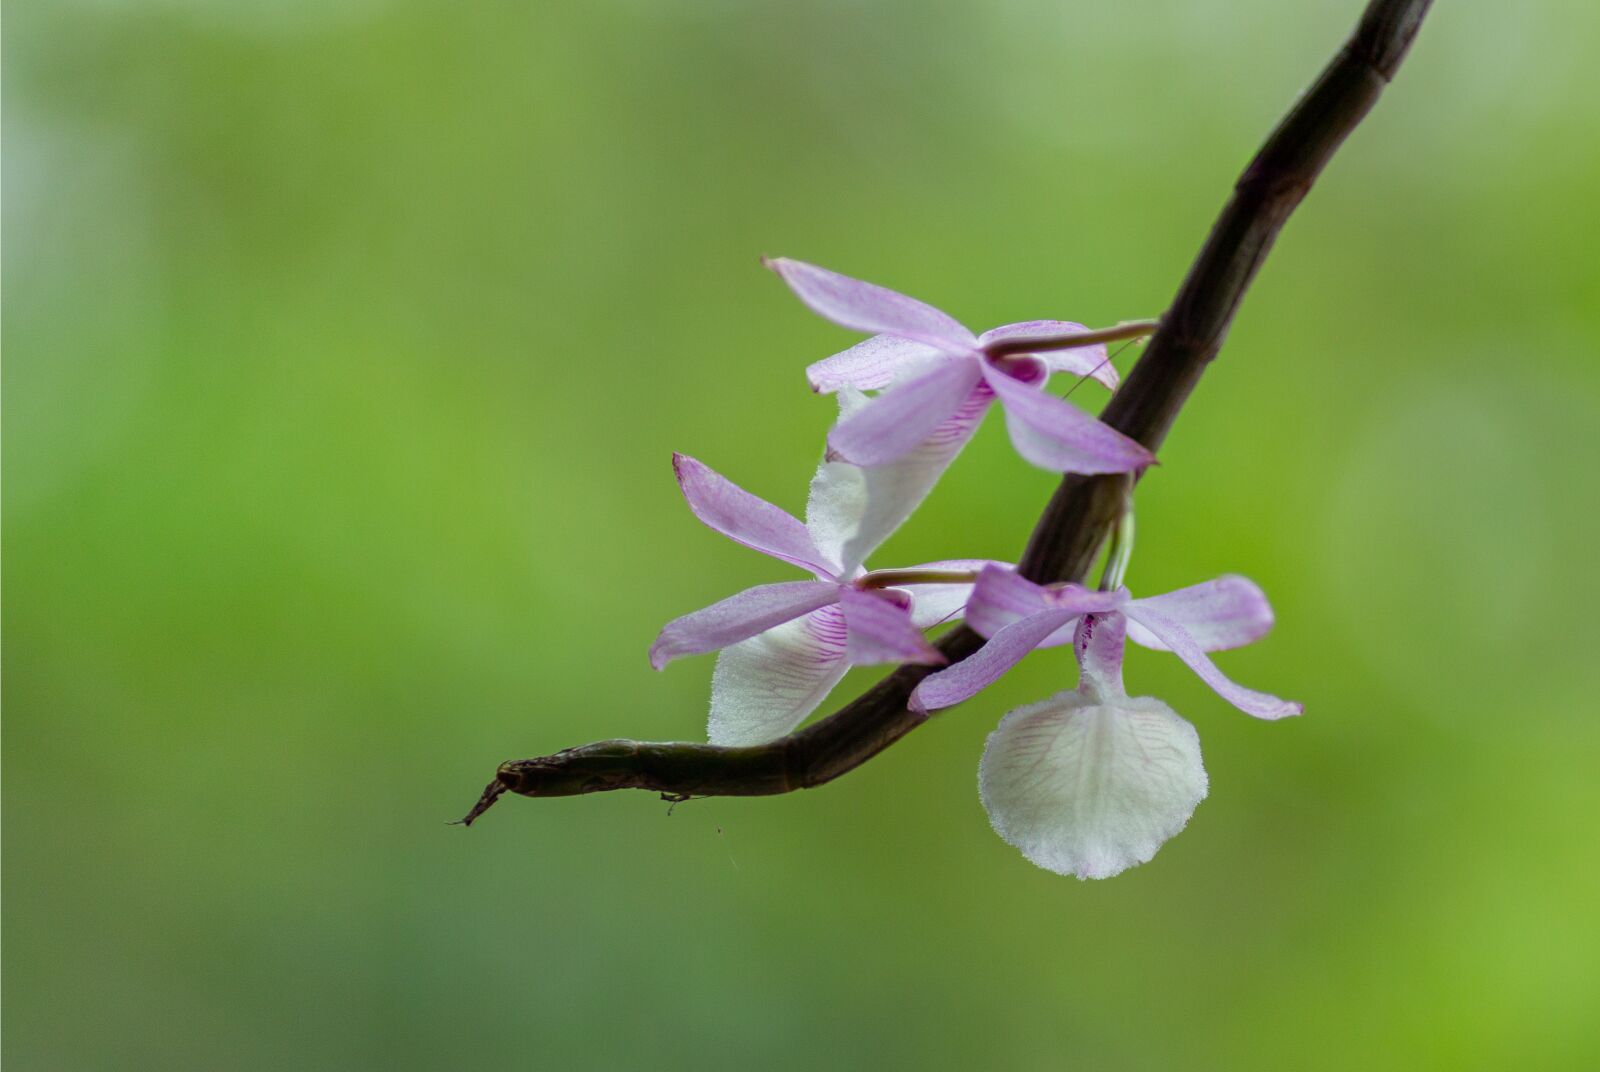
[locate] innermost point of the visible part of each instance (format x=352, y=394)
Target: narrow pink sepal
x=896, y=422
x=985, y=666
x=739, y=617
x=1001, y=597
x=1054, y=434
x=879, y=630
x=1228, y=612
x=1181, y=644
x=868, y=307
x=747, y=519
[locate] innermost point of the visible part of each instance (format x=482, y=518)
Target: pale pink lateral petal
x=1054, y=434
x=935, y=604
x=1181, y=644
x=880, y=630
x=1228, y=612
x=1098, y=643
x=868, y=307
x=1090, y=361
x=1091, y=788
x=868, y=365
x=766, y=686
x=985, y=666
x=744, y=518
x=895, y=490
x=894, y=423
x=738, y=617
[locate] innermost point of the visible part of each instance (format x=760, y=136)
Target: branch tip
x=491, y=793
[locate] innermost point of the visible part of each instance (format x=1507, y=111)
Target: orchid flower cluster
x=1089, y=782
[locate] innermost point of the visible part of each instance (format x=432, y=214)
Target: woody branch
x=1083, y=509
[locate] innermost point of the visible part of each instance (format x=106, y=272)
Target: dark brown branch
x=1067, y=537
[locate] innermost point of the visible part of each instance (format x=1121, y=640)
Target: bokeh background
x=347, y=342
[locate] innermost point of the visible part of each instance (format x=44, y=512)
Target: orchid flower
x=785, y=646
x=941, y=379
x=1091, y=781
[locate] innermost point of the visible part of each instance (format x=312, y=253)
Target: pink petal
x=1002, y=597
x=880, y=630
x=897, y=421
x=981, y=669
x=765, y=686
x=746, y=519
x=1228, y=612
x=738, y=617
x=1177, y=639
x=868, y=307
x=1054, y=434
x=869, y=365
x=1088, y=361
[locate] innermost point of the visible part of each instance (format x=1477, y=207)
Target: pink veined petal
x=1181, y=644
x=1228, y=612
x=1098, y=643
x=895, y=490
x=985, y=666
x=1090, y=361
x=880, y=631
x=868, y=365
x=738, y=617
x=744, y=518
x=935, y=604
x=868, y=307
x=897, y=421
x=766, y=686
x=1054, y=434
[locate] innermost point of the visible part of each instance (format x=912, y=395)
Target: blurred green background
x=347, y=341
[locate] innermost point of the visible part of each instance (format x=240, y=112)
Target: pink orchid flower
x=1092, y=781
x=941, y=379
x=784, y=646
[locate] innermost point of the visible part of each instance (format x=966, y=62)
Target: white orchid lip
x=1091, y=786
